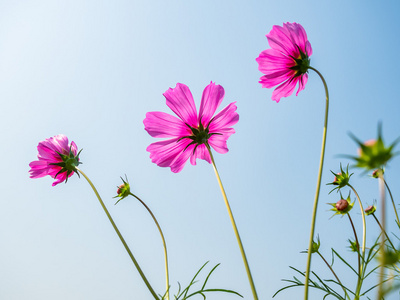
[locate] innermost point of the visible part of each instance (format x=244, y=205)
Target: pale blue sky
x=92, y=69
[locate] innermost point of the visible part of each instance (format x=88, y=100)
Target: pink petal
x=284, y=90
x=278, y=39
x=218, y=142
x=202, y=153
x=170, y=153
x=163, y=125
x=302, y=82
x=227, y=117
x=210, y=101
x=180, y=101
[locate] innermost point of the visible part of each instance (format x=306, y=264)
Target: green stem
x=383, y=220
x=358, y=247
x=321, y=163
x=120, y=236
x=377, y=221
x=394, y=206
x=163, y=241
x=361, y=270
x=334, y=274
x=246, y=264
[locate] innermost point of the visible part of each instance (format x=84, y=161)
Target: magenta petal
x=280, y=65
x=170, y=153
x=48, y=156
x=180, y=101
x=190, y=133
x=227, y=117
x=284, y=90
x=302, y=83
x=218, y=142
x=211, y=99
x=202, y=153
x=163, y=125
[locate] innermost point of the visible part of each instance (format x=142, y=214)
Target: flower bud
x=378, y=172
x=123, y=191
x=341, y=179
x=373, y=154
x=341, y=205
x=353, y=246
x=370, y=210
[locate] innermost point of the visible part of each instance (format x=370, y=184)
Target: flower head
x=373, y=154
x=354, y=247
x=377, y=172
x=341, y=179
x=191, y=134
x=56, y=158
x=370, y=210
x=287, y=62
x=342, y=207
x=123, y=190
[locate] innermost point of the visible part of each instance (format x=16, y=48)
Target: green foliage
x=186, y=293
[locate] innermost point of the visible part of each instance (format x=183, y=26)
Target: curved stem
x=163, y=241
x=383, y=222
x=361, y=270
x=357, y=295
x=394, y=206
x=321, y=163
x=358, y=246
x=246, y=264
x=334, y=274
x=120, y=235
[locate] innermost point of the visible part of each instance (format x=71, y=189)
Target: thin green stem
x=358, y=246
x=120, y=236
x=394, y=206
x=361, y=270
x=321, y=163
x=334, y=274
x=382, y=248
x=377, y=221
x=246, y=264
x=163, y=241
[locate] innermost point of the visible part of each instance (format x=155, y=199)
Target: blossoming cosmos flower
x=190, y=132
x=287, y=62
x=56, y=158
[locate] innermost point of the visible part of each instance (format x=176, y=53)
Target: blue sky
x=92, y=69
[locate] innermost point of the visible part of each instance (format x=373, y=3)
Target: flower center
x=302, y=63
x=199, y=136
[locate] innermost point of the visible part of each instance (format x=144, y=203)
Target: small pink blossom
x=56, y=158
x=190, y=133
x=287, y=62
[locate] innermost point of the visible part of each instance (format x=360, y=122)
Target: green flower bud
x=378, y=172
x=342, y=207
x=353, y=246
x=341, y=179
x=370, y=210
x=123, y=191
x=373, y=154
x=391, y=257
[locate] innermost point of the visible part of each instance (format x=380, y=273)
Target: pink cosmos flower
x=287, y=62
x=190, y=134
x=56, y=158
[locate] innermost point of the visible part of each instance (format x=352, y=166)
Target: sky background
x=92, y=69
